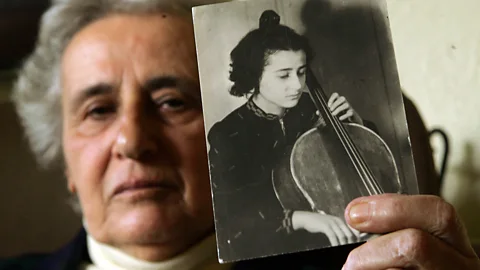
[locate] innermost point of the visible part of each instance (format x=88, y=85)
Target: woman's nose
x=295, y=83
x=135, y=139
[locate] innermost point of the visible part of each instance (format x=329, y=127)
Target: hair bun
x=268, y=19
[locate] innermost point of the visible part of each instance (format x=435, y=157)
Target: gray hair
x=37, y=91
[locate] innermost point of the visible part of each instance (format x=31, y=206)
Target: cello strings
x=345, y=138
x=351, y=150
x=341, y=137
x=346, y=145
x=347, y=148
x=370, y=177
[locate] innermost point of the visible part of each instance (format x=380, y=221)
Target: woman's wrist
x=297, y=220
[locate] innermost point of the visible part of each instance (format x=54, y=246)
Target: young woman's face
x=283, y=78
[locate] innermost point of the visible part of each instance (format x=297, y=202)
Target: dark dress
x=244, y=148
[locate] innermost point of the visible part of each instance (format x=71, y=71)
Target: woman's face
x=133, y=134
x=283, y=78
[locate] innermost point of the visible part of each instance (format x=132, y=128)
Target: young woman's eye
x=284, y=76
x=301, y=72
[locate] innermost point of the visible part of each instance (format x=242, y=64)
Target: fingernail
x=359, y=213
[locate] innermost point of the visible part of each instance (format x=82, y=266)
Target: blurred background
x=437, y=46
x=34, y=214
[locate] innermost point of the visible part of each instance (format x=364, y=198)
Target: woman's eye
x=176, y=110
x=100, y=112
x=301, y=72
x=284, y=76
x=172, y=104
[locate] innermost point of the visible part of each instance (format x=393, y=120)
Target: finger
x=331, y=236
x=339, y=101
x=345, y=106
x=342, y=239
x=368, y=236
x=393, y=212
x=350, y=237
x=410, y=248
x=347, y=115
x=332, y=98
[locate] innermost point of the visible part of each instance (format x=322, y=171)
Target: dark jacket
x=68, y=257
x=71, y=256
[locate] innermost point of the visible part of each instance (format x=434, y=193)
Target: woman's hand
x=340, y=107
x=420, y=232
x=337, y=231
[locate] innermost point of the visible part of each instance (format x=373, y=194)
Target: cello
x=333, y=163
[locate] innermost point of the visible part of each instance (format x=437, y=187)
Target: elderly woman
x=112, y=92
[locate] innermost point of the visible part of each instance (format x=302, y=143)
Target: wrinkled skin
x=419, y=232
x=133, y=134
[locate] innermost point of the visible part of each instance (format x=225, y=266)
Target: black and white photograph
x=303, y=113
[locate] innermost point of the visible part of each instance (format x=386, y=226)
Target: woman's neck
x=268, y=106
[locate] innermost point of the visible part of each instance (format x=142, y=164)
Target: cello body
x=316, y=174
x=330, y=165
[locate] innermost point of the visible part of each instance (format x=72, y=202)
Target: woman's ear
x=71, y=185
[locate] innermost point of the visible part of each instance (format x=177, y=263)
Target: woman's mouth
x=144, y=188
x=296, y=96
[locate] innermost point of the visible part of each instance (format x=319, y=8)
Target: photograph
x=303, y=113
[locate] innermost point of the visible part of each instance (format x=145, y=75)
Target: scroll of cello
x=332, y=164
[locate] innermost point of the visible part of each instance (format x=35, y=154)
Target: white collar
x=201, y=256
